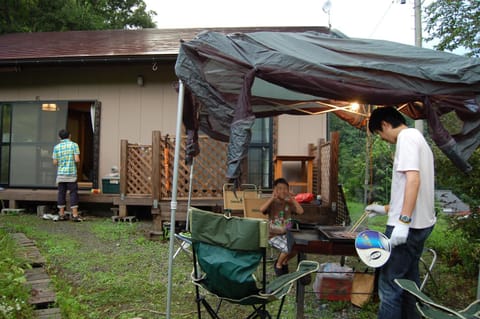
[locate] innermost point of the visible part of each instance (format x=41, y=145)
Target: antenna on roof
x=326, y=8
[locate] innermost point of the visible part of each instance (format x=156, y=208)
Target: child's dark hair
x=387, y=114
x=280, y=180
x=63, y=134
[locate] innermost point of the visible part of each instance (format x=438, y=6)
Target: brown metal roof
x=107, y=45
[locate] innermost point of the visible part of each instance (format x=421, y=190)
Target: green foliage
x=456, y=23
x=469, y=228
x=452, y=240
x=448, y=176
x=128, y=14
x=352, y=167
x=14, y=295
x=65, y=15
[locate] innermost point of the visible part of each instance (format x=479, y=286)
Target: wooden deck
x=13, y=197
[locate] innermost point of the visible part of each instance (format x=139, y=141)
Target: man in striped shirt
x=66, y=155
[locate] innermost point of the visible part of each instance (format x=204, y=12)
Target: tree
x=66, y=15
x=352, y=163
x=456, y=24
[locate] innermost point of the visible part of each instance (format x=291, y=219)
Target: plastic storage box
x=111, y=185
x=333, y=282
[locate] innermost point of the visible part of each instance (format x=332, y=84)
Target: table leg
x=300, y=294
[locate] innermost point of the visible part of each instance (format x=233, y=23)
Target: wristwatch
x=405, y=219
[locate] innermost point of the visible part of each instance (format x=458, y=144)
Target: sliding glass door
x=33, y=134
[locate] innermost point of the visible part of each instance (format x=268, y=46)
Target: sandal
x=279, y=271
x=76, y=219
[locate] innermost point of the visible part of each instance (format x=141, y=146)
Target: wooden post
x=334, y=150
x=321, y=141
x=123, y=177
x=156, y=166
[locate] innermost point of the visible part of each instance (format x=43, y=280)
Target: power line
x=381, y=19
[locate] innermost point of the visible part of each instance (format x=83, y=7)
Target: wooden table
x=306, y=168
x=312, y=242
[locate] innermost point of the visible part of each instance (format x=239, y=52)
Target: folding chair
x=227, y=251
x=429, y=309
x=251, y=207
x=233, y=199
x=428, y=260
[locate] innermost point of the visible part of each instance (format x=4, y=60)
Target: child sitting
x=280, y=208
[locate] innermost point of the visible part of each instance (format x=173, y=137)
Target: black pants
x=72, y=187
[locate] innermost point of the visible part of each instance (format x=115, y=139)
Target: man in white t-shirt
x=411, y=213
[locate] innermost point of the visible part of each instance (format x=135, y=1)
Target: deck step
x=12, y=211
x=49, y=313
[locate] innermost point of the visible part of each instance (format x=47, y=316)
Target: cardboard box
x=111, y=185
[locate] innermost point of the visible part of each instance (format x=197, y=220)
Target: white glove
x=399, y=234
x=375, y=210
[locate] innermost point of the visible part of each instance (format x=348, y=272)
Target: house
x=106, y=87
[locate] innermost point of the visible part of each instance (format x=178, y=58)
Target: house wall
x=128, y=111
x=296, y=132
x=294, y=135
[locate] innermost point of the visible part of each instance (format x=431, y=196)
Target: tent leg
x=173, y=204
x=190, y=186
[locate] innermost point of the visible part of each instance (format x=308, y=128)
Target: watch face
x=405, y=219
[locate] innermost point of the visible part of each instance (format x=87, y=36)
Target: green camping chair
x=227, y=253
x=429, y=309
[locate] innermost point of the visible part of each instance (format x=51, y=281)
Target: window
x=260, y=153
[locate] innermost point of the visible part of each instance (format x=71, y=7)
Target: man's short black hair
x=387, y=114
x=280, y=180
x=63, y=134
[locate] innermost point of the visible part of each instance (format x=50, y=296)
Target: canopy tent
x=228, y=80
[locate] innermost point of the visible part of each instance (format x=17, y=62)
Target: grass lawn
x=103, y=270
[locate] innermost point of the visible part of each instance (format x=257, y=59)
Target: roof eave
x=89, y=60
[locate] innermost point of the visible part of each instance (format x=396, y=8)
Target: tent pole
x=367, y=160
x=173, y=203
x=187, y=228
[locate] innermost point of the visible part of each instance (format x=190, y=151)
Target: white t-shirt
x=412, y=153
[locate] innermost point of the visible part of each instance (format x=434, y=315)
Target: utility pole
x=418, y=43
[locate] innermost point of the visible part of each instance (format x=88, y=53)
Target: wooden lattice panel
x=139, y=169
x=209, y=169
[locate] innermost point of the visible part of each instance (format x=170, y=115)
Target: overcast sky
x=374, y=19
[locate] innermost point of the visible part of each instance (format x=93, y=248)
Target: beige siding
x=128, y=111
x=294, y=135
x=296, y=132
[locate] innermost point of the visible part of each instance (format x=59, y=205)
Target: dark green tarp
x=230, y=79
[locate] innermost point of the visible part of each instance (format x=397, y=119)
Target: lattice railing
x=209, y=169
x=139, y=169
